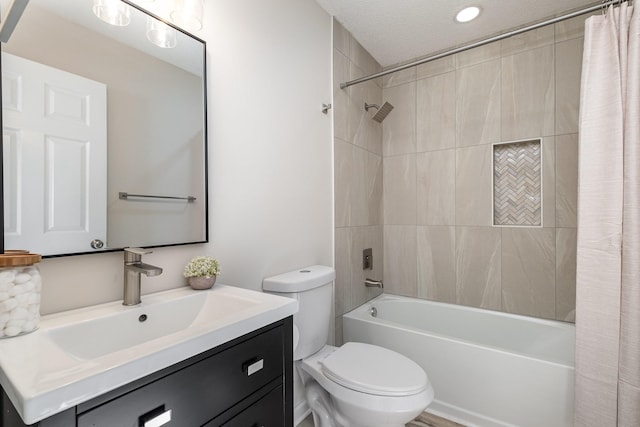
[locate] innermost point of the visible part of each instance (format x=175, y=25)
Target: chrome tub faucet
x=133, y=267
x=370, y=283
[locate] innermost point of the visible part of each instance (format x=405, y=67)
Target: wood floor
x=424, y=420
x=430, y=420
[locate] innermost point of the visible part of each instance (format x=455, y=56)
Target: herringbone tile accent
x=517, y=184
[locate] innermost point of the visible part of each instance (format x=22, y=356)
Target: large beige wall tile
x=399, y=128
x=549, y=182
x=363, y=131
x=478, y=267
x=338, y=336
x=358, y=186
x=363, y=238
x=343, y=158
x=527, y=41
x=449, y=111
x=568, y=75
x=363, y=60
x=436, y=112
x=478, y=104
x=341, y=37
x=358, y=177
x=433, y=68
x=474, y=195
x=572, y=28
x=400, y=270
x=436, y=263
x=528, y=94
x=340, y=96
x=400, y=190
x=436, y=175
x=399, y=77
x=350, y=291
x=478, y=55
x=566, y=274
x=566, y=180
x=343, y=266
x=528, y=271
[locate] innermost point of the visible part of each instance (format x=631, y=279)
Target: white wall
x=271, y=150
x=270, y=159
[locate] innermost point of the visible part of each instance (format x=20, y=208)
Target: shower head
x=382, y=112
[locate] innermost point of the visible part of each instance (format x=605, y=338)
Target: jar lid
x=18, y=258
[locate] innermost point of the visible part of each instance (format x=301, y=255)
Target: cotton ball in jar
x=8, y=305
x=7, y=277
x=12, y=331
x=29, y=326
x=22, y=278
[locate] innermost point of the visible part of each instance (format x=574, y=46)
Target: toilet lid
x=374, y=370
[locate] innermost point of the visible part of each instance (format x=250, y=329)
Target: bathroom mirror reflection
x=92, y=110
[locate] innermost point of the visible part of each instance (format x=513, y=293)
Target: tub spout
x=370, y=283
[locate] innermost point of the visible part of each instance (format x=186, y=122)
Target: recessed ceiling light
x=468, y=14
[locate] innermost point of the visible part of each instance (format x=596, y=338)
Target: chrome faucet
x=133, y=267
x=370, y=283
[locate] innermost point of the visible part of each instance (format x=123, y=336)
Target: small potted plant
x=201, y=272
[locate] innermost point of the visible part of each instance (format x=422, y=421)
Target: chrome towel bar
x=125, y=196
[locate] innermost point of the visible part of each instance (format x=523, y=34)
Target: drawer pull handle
x=252, y=366
x=158, y=420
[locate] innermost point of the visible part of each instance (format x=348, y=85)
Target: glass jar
x=20, y=287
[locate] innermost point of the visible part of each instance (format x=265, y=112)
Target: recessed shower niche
x=517, y=183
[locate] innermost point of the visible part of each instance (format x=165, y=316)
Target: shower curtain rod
x=594, y=8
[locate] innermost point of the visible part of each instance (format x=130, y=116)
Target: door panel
x=55, y=124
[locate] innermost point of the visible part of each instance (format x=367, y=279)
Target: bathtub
x=488, y=369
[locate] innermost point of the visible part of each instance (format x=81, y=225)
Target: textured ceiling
x=395, y=31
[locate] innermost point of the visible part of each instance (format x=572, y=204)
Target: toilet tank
x=312, y=287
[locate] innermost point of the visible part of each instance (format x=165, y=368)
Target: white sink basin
x=80, y=354
x=130, y=326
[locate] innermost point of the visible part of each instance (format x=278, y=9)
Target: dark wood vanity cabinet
x=246, y=382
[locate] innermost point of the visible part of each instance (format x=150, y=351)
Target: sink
x=80, y=354
x=130, y=326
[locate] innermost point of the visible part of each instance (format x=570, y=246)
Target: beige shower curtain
x=608, y=267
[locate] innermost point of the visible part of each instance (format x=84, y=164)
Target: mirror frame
x=19, y=7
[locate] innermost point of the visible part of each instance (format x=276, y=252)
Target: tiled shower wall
x=358, y=175
x=438, y=238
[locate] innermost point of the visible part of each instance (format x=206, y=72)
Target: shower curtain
x=608, y=265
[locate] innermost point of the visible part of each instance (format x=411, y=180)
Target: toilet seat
x=370, y=409
x=374, y=370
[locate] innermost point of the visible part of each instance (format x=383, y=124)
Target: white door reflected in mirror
x=55, y=133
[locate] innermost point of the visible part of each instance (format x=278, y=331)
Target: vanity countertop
x=79, y=354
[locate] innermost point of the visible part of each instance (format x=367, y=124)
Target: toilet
x=355, y=385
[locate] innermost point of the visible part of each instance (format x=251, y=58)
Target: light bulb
x=468, y=14
x=160, y=33
x=187, y=14
x=114, y=12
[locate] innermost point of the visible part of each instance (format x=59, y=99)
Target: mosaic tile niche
x=517, y=183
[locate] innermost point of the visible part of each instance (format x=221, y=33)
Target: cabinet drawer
x=266, y=412
x=200, y=391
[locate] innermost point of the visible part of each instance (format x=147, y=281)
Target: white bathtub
x=487, y=368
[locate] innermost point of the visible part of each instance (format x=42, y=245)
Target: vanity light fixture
x=160, y=33
x=468, y=14
x=188, y=14
x=114, y=12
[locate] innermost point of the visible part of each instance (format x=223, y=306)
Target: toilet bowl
x=355, y=385
x=366, y=385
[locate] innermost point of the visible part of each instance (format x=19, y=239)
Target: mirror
x=104, y=132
